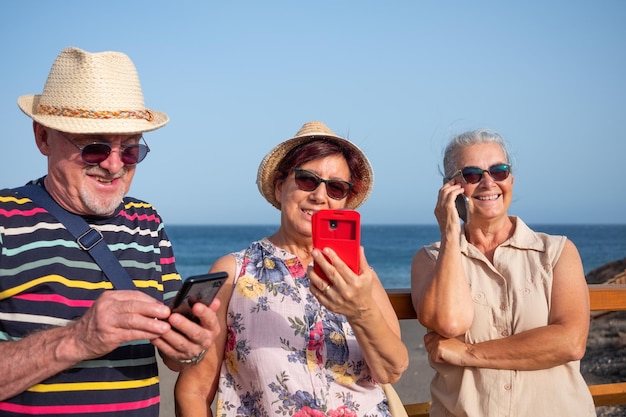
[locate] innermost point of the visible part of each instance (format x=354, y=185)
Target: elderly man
x=76, y=338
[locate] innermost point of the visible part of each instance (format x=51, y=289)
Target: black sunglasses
x=309, y=181
x=98, y=152
x=473, y=175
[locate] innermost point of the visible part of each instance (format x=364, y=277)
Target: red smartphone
x=339, y=230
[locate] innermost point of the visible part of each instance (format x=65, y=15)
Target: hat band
x=91, y=114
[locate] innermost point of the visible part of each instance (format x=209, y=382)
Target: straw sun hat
x=92, y=93
x=311, y=131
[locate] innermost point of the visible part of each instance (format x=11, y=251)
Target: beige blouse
x=511, y=296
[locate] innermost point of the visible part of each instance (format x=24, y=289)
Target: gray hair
x=473, y=137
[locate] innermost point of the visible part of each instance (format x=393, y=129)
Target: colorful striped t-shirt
x=47, y=280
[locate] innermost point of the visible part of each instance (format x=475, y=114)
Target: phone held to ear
x=462, y=206
x=197, y=289
x=339, y=230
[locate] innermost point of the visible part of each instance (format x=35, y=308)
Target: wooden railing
x=603, y=297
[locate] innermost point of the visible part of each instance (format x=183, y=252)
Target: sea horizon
x=389, y=248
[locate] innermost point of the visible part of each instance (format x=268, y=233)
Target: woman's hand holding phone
x=346, y=292
x=461, y=202
x=339, y=230
x=337, y=250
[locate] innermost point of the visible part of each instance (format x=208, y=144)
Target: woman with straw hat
x=291, y=344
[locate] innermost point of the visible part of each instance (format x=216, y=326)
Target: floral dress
x=287, y=355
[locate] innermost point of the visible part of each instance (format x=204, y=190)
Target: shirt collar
x=523, y=238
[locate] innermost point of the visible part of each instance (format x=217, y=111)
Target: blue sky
x=398, y=78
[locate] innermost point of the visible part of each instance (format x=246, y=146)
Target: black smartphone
x=462, y=206
x=339, y=230
x=197, y=289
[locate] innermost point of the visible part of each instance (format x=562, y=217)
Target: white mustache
x=97, y=171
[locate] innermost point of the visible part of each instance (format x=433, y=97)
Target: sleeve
x=169, y=275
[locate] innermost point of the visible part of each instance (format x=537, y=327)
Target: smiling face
x=489, y=199
x=93, y=190
x=297, y=206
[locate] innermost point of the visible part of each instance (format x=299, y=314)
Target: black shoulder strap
x=88, y=238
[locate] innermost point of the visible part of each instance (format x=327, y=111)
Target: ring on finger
x=325, y=290
x=195, y=360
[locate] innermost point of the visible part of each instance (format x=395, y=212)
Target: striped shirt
x=47, y=280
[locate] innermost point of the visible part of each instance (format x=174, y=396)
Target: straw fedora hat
x=308, y=132
x=92, y=93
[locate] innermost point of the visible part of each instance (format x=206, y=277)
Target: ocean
x=388, y=248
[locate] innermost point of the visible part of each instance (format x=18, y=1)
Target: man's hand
x=187, y=341
x=118, y=317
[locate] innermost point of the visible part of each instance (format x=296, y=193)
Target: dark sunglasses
x=98, y=152
x=309, y=181
x=473, y=175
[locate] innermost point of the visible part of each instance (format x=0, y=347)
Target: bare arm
x=196, y=385
x=439, y=289
x=364, y=302
x=561, y=341
x=116, y=317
